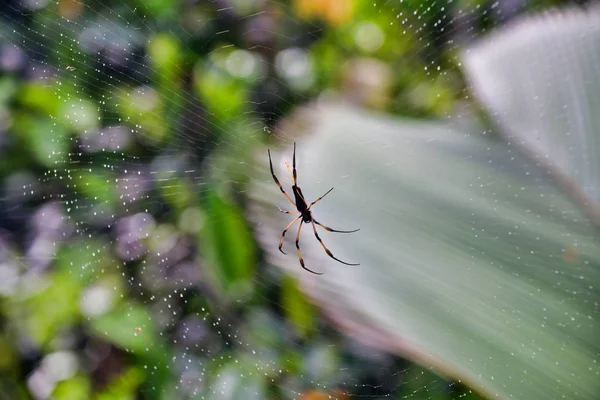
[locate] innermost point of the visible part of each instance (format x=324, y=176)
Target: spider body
x=301, y=205
x=305, y=216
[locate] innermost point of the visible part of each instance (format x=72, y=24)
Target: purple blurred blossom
x=40, y=253
x=260, y=30
x=191, y=331
x=185, y=274
x=192, y=380
x=50, y=228
x=34, y=5
x=173, y=268
x=50, y=221
x=116, y=42
x=110, y=138
x=129, y=233
x=12, y=58
x=133, y=185
x=40, y=72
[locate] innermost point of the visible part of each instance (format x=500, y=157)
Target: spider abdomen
x=300, y=203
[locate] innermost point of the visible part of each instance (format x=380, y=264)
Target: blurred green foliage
x=139, y=120
x=227, y=244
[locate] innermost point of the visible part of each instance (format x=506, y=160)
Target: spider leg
x=323, y=244
x=315, y=202
x=288, y=212
x=287, y=228
x=294, y=164
x=300, y=255
x=289, y=169
x=277, y=180
x=333, y=230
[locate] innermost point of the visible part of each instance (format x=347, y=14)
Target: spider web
x=140, y=121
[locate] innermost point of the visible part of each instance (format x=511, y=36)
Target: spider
x=305, y=216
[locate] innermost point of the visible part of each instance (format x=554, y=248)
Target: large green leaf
x=471, y=260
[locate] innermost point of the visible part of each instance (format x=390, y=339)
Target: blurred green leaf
x=144, y=108
x=231, y=161
x=8, y=355
x=123, y=386
x=225, y=95
x=40, y=97
x=12, y=388
x=8, y=88
x=264, y=329
x=292, y=360
x=165, y=53
x=296, y=307
x=75, y=388
x=471, y=260
x=129, y=326
x=78, y=113
x=54, y=305
x=228, y=245
x=98, y=185
x=47, y=141
x=84, y=259
x=53, y=309
x=191, y=220
x=176, y=192
x=159, y=9
x=420, y=383
x=322, y=364
x=241, y=381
